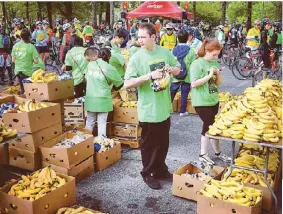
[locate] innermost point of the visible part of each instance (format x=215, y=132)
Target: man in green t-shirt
x=186, y=55
x=150, y=63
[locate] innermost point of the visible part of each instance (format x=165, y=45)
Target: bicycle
x=54, y=60
x=230, y=54
x=244, y=65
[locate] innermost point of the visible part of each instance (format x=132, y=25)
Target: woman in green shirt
x=100, y=76
x=205, y=78
x=24, y=54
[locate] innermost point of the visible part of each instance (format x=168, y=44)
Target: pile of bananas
x=36, y=185
x=224, y=97
x=252, y=116
x=125, y=53
x=6, y=132
x=79, y=210
x=40, y=76
x=178, y=96
x=232, y=191
x=15, y=89
x=129, y=104
x=31, y=105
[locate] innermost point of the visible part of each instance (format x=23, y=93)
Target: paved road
x=119, y=189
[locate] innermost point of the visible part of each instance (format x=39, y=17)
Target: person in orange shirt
x=49, y=31
x=157, y=28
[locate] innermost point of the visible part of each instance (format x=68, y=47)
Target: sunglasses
x=169, y=29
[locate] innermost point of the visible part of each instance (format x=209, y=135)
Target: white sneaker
x=224, y=157
x=184, y=114
x=206, y=159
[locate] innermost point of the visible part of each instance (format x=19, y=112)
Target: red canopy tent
x=158, y=8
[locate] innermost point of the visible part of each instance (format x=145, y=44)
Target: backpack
x=6, y=41
x=183, y=69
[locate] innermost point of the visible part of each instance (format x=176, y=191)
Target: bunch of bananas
x=178, y=95
x=103, y=144
x=250, y=117
x=232, y=191
x=40, y=76
x=162, y=83
x=31, y=105
x=129, y=104
x=6, y=132
x=79, y=210
x=15, y=89
x=224, y=97
x=36, y=185
x=125, y=53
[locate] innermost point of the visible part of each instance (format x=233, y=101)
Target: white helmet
x=221, y=27
x=66, y=26
x=38, y=23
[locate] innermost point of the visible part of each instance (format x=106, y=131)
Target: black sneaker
x=151, y=182
x=167, y=176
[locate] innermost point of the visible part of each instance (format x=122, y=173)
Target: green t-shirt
x=98, y=91
x=133, y=50
x=75, y=58
x=24, y=54
x=206, y=94
x=115, y=48
x=191, y=56
x=153, y=107
x=118, y=61
x=1, y=41
x=39, y=65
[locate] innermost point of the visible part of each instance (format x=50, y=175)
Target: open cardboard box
x=50, y=91
x=212, y=205
x=187, y=187
x=67, y=157
x=74, y=113
x=107, y=158
x=123, y=130
x=32, y=121
x=80, y=171
x=63, y=196
x=4, y=153
x=31, y=142
x=125, y=115
x=175, y=105
x=24, y=159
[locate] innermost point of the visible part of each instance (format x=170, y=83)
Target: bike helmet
x=21, y=20
x=38, y=23
x=59, y=20
x=220, y=27
x=76, y=20
x=277, y=25
x=266, y=21
x=66, y=26
x=86, y=22
x=190, y=31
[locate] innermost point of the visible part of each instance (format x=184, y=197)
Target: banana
x=212, y=190
x=246, y=104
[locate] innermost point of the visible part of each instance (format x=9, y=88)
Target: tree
x=39, y=15
x=4, y=12
x=27, y=10
x=49, y=12
x=224, y=5
x=195, y=9
x=249, y=21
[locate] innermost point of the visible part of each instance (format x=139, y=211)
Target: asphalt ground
x=120, y=189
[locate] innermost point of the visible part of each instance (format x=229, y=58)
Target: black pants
x=20, y=77
x=266, y=57
x=80, y=89
x=207, y=115
x=154, y=147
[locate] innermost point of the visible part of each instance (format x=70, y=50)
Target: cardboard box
x=64, y=196
x=187, y=187
x=123, y=130
x=125, y=115
x=190, y=108
x=31, y=142
x=128, y=95
x=67, y=157
x=107, y=158
x=33, y=121
x=79, y=171
x=212, y=205
x=24, y=159
x=4, y=153
x=94, y=211
x=50, y=91
x=175, y=106
x=74, y=113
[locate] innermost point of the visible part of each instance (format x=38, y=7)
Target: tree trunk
x=39, y=15
x=4, y=12
x=249, y=20
x=111, y=13
x=27, y=11
x=49, y=12
x=108, y=13
x=280, y=9
x=69, y=10
x=94, y=5
x=195, y=9
x=224, y=6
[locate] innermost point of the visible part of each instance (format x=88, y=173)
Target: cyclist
x=68, y=30
x=16, y=32
x=58, y=30
x=41, y=39
x=77, y=24
x=193, y=42
x=49, y=31
x=226, y=30
x=234, y=36
x=88, y=33
x=219, y=34
x=276, y=44
x=169, y=39
x=264, y=46
x=253, y=36
x=5, y=58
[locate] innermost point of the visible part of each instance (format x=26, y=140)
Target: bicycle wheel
x=244, y=67
x=258, y=76
x=236, y=73
x=225, y=57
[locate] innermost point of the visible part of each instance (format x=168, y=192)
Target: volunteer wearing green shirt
x=39, y=65
x=77, y=64
x=185, y=55
x=99, y=76
x=24, y=54
x=151, y=62
x=205, y=78
x=119, y=37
